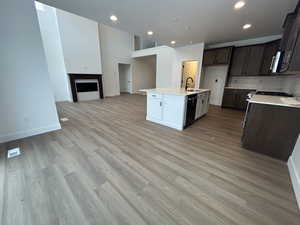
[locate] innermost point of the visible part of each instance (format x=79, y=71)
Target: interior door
x=214, y=81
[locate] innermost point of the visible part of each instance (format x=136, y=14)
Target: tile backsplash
x=290, y=84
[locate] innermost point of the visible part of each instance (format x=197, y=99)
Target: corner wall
x=294, y=169
x=144, y=73
x=27, y=102
x=54, y=53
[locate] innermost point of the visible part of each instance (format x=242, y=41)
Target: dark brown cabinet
x=270, y=51
x=254, y=60
x=246, y=61
x=239, y=60
x=235, y=98
x=271, y=130
x=218, y=56
x=290, y=46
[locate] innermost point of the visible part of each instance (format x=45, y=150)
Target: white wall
x=54, y=53
x=80, y=42
x=116, y=47
x=187, y=53
x=169, y=62
x=27, y=102
x=294, y=168
x=144, y=73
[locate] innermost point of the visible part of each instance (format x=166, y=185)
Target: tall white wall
x=294, y=169
x=80, y=42
x=27, y=102
x=144, y=73
x=54, y=53
x=116, y=47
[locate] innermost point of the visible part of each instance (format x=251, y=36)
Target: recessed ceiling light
x=150, y=32
x=239, y=5
x=113, y=18
x=173, y=42
x=247, y=26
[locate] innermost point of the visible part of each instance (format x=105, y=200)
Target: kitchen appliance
x=273, y=93
x=191, y=110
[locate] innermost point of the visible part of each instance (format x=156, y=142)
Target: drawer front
x=155, y=95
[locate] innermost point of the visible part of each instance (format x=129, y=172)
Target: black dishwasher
x=190, y=109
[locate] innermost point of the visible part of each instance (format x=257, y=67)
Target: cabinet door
x=239, y=59
x=203, y=104
x=270, y=51
x=295, y=61
x=291, y=41
x=154, y=107
x=209, y=57
x=198, y=107
x=229, y=98
x=241, y=99
x=223, y=55
x=254, y=60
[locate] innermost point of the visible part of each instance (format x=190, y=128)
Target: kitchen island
x=272, y=125
x=176, y=108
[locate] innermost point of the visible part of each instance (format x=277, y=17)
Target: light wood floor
x=110, y=166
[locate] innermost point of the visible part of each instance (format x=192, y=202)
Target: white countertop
x=275, y=100
x=242, y=88
x=174, y=91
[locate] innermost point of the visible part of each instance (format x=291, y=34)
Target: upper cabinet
x=246, y=61
x=290, y=44
x=270, y=51
x=218, y=56
x=239, y=61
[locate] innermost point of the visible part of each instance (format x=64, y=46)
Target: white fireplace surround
x=90, y=95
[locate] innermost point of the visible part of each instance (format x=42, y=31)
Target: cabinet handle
x=160, y=104
x=272, y=63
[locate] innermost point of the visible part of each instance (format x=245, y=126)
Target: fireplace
x=86, y=86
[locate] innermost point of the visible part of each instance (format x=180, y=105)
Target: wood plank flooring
x=110, y=166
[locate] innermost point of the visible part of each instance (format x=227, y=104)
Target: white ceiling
x=209, y=21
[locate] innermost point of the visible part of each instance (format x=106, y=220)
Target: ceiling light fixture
x=113, y=18
x=239, y=5
x=173, y=42
x=150, y=32
x=247, y=26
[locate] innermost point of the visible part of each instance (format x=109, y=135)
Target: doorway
x=190, y=71
x=124, y=78
x=214, y=78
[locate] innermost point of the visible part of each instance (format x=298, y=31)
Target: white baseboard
x=295, y=178
x=28, y=133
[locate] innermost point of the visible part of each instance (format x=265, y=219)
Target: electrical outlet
x=13, y=152
x=64, y=119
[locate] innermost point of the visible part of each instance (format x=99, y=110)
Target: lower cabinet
x=236, y=98
x=176, y=111
x=202, y=104
x=155, y=103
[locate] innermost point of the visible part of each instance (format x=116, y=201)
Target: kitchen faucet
x=186, y=82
